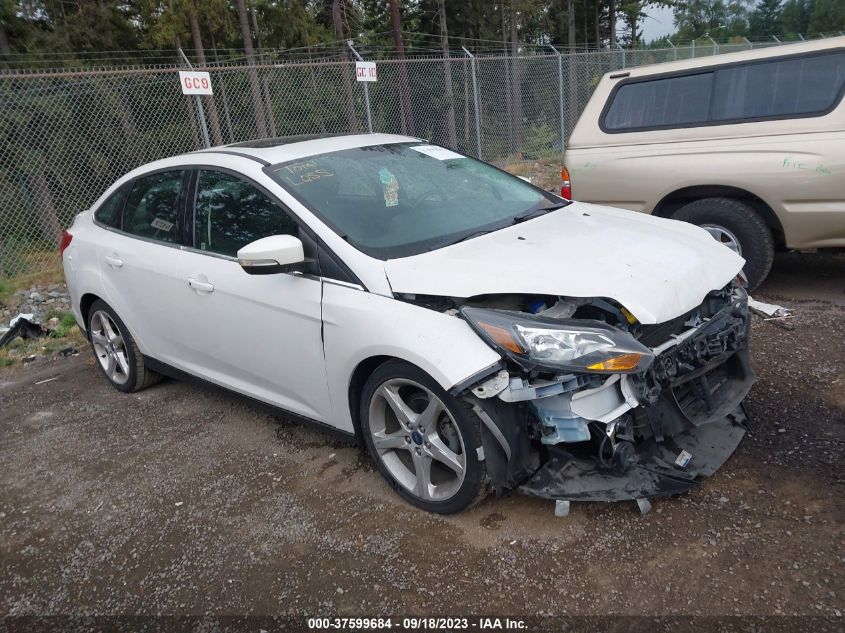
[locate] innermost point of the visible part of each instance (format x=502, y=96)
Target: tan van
x=750, y=146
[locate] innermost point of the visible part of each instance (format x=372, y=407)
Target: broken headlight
x=560, y=344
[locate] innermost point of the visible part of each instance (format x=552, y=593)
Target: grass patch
x=67, y=323
x=47, y=276
x=5, y=289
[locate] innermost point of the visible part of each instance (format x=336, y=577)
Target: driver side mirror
x=271, y=255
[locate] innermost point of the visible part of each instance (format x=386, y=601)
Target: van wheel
x=738, y=227
x=118, y=357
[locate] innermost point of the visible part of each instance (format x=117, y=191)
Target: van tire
x=754, y=237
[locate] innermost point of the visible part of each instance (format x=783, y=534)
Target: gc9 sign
x=195, y=83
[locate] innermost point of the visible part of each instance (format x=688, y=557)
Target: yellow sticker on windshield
x=390, y=186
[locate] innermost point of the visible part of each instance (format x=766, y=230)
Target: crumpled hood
x=656, y=268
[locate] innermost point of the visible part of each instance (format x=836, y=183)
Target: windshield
x=403, y=199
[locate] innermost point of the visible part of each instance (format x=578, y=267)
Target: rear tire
x=424, y=441
x=118, y=357
x=743, y=224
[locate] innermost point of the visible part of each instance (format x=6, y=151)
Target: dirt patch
x=181, y=501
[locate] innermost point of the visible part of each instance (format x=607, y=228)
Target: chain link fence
x=67, y=135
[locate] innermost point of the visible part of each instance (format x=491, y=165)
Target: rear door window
x=152, y=207
x=230, y=213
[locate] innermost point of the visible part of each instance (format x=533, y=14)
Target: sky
x=657, y=24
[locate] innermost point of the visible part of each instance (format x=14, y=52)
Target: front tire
x=739, y=227
x=117, y=354
x=424, y=441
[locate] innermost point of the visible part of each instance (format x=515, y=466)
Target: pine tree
x=794, y=17
x=827, y=16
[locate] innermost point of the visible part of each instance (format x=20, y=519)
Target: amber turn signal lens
x=623, y=362
x=565, y=184
x=502, y=337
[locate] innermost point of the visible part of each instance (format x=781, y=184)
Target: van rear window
x=797, y=86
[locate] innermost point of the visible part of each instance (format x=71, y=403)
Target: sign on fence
x=195, y=83
x=366, y=71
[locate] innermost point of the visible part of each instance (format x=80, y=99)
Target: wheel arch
x=673, y=201
x=85, y=303
x=363, y=370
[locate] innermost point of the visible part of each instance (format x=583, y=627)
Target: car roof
x=286, y=148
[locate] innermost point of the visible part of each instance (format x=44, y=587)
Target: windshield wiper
x=533, y=213
x=538, y=211
x=464, y=238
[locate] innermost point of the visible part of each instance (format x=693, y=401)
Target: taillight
x=565, y=185
x=65, y=242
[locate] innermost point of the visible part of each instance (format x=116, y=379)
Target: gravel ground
x=177, y=500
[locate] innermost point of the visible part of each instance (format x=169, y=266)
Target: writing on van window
x=821, y=169
x=303, y=172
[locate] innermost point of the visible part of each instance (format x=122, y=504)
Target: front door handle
x=202, y=286
x=114, y=262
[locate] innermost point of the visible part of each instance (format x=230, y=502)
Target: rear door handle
x=114, y=262
x=202, y=286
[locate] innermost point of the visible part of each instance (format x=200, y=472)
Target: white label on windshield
x=440, y=153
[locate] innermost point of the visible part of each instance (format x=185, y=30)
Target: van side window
x=230, y=213
x=804, y=85
x=798, y=86
x=152, y=206
x=671, y=101
x=110, y=212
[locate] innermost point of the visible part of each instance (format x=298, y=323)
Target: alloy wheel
x=417, y=439
x=724, y=236
x=109, y=347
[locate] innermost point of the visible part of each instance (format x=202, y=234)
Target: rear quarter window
x=111, y=211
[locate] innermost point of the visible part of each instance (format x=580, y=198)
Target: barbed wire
x=376, y=46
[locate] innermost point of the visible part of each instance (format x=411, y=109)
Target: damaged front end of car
x=591, y=405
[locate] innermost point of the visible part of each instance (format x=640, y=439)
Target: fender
x=358, y=325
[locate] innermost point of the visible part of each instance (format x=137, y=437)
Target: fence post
x=200, y=110
x=560, y=95
x=776, y=39
x=715, y=45
x=366, y=89
x=674, y=49
x=801, y=37
x=747, y=41
x=623, y=53
x=475, y=101
x=693, y=49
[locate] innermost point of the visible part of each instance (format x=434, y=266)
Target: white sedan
x=474, y=331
